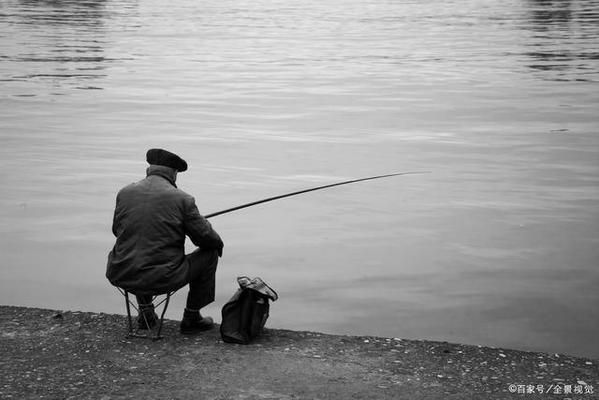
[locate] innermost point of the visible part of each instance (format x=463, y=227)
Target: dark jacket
x=151, y=219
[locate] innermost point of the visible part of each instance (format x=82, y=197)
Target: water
x=498, y=245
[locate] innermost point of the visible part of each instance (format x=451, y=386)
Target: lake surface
x=498, y=245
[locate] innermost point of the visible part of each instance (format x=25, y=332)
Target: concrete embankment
x=53, y=354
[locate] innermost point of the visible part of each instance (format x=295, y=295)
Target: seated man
x=151, y=220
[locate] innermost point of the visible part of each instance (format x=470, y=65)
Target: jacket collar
x=170, y=174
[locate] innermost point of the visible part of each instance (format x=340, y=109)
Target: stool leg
x=164, y=307
x=128, y=306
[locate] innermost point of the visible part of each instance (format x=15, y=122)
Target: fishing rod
x=253, y=203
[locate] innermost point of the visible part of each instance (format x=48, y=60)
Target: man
x=151, y=220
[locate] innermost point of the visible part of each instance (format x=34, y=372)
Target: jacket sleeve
x=198, y=228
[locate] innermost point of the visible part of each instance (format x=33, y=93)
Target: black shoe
x=194, y=325
x=149, y=322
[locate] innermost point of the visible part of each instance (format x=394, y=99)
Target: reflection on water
x=59, y=44
x=564, y=39
x=546, y=14
x=62, y=12
x=498, y=245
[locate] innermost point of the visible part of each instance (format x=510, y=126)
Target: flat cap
x=166, y=158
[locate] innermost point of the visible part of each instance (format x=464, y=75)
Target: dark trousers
x=202, y=279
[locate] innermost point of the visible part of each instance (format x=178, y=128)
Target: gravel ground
x=49, y=354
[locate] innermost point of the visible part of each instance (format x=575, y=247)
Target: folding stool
x=150, y=332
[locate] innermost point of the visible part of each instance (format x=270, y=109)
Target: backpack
x=245, y=314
